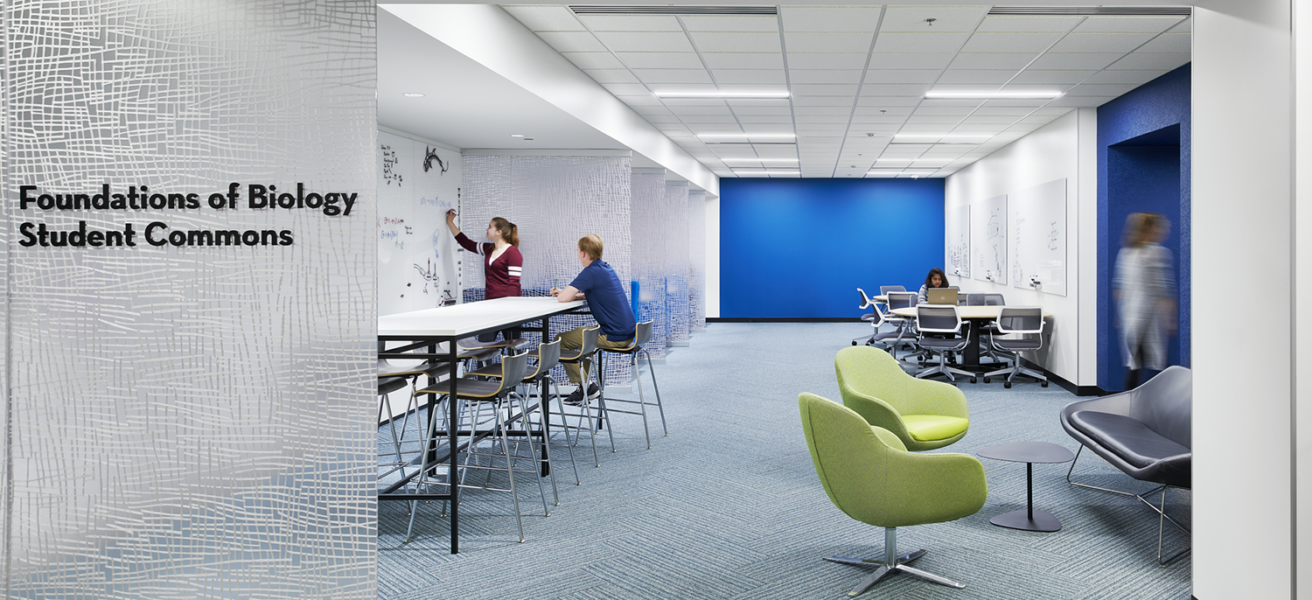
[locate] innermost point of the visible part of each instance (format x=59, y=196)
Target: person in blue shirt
x=601, y=288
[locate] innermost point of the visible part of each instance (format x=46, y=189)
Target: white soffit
x=857, y=74
x=523, y=81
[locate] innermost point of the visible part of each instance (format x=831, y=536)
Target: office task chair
x=641, y=335
x=941, y=319
x=885, y=289
x=497, y=393
x=869, y=476
x=876, y=320
x=1026, y=322
x=904, y=325
x=987, y=349
x=1145, y=433
x=924, y=415
x=548, y=356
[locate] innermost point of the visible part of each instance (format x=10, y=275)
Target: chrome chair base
x=884, y=568
x=1015, y=370
x=1161, y=512
x=943, y=368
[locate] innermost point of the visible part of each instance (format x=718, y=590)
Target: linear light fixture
x=1063, y=11
x=953, y=137
x=764, y=161
x=724, y=94
x=413, y=95
x=768, y=172
x=591, y=9
x=983, y=95
x=747, y=136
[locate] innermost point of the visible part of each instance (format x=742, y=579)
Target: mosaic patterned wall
x=650, y=220
x=589, y=194
x=192, y=421
x=696, y=260
x=676, y=261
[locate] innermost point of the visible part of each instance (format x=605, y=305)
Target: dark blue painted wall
x=1143, y=166
x=799, y=248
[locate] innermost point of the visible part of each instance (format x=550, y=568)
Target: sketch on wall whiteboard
x=957, y=242
x=988, y=238
x=418, y=260
x=1039, y=238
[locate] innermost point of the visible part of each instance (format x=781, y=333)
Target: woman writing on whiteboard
x=502, y=261
x=1144, y=290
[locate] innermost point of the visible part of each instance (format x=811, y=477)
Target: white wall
x=1065, y=148
x=1241, y=219
x=712, y=257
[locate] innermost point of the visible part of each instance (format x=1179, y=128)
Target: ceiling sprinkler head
x=931, y=21
x=870, y=135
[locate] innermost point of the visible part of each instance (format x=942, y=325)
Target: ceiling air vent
x=592, y=9
x=1063, y=11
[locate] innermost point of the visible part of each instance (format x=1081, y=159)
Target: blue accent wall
x=799, y=248
x=1143, y=166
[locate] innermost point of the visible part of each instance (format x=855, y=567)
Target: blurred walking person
x=1144, y=291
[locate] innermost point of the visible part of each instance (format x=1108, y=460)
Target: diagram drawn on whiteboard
x=390, y=173
x=430, y=157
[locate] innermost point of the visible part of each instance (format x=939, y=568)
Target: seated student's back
x=606, y=299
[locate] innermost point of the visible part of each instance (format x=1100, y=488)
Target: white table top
x=966, y=312
x=462, y=320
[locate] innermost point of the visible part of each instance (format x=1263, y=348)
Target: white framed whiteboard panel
x=1038, y=230
x=988, y=238
x=956, y=241
x=417, y=256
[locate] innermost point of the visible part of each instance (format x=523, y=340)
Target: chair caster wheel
x=1006, y=384
x=1044, y=384
x=853, y=342
x=972, y=380
x=988, y=380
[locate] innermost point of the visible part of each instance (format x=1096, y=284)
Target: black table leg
x=453, y=428
x=971, y=359
x=1028, y=519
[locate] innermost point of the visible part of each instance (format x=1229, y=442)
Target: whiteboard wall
x=988, y=238
x=417, y=257
x=957, y=242
x=1038, y=231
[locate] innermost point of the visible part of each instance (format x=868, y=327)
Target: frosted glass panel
x=697, y=260
x=676, y=264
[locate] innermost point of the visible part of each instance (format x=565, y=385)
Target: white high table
x=444, y=325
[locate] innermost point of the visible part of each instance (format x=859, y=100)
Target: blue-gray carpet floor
x=729, y=505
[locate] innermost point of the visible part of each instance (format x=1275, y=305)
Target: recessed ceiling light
x=722, y=94
x=982, y=95
x=747, y=136
x=414, y=95
x=518, y=135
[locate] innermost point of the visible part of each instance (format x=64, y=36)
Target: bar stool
x=478, y=392
x=387, y=385
x=387, y=370
x=641, y=335
x=548, y=356
x=583, y=357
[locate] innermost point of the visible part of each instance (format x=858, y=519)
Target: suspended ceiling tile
x=612, y=76
x=736, y=41
x=661, y=60
x=810, y=129
x=911, y=60
x=677, y=103
x=757, y=119
x=689, y=111
x=1036, y=120
x=1006, y=111
x=1185, y=26
x=1101, y=42
x=744, y=111
x=593, y=60
x=906, y=150
x=951, y=111
x=600, y=23
x=632, y=41
x=949, y=102
x=1041, y=77
x=824, y=89
x=830, y=18
x=776, y=151
x=1033, y=43
x=919, y=42
x=751, y=76
x=825, y=75
x=895, y=89
x=1056, y=61
x=1052, y=111
x=933, y=120
x=822, y=101
x=1081, y=101
x=1014, y=61
x=661, y=79
x=743, y=60
x=891, y=103
x=1027, y=24
x=571, y=41
x=1168, y=43
x=662, y=119
x=927, y=127
x=828, y=42
x=701, y=120
x=826, y=60
x=1128, y=24
x=947, y=19
x=883, y=76
x=643, y=100
x=545, y=18
x=1130, y=77
x=1157, y=62
x=809, y=120
x=778, y=103
x=989, y=119
x=822, y=111
x=1103, y=89
x=976, y=76
x=758, y=23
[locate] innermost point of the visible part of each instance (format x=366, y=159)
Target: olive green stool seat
x=869, y=475
x=924, y=415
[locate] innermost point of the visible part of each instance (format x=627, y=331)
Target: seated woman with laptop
x=937, y=282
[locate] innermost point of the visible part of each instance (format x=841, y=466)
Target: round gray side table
x=1028, y=453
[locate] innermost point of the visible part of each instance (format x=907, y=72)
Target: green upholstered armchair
x=924, y=415
x=870, y=476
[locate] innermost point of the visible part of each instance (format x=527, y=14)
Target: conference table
x=977, y=315
x=424, y=330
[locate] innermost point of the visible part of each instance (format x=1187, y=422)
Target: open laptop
x=942, y=296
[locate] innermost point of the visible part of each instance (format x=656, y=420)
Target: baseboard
x=784, y=320
x=1078, y=390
